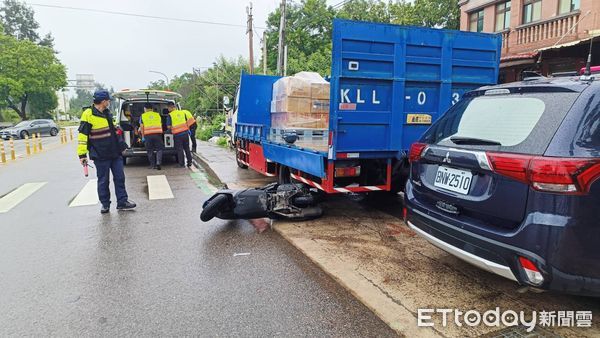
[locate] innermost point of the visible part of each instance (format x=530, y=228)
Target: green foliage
x=222, y=142
x=366, y=10
x=308, y=36
x=41, y=103
x=205, y=131
x=27, y=70
x=8, y=115
x=82, y=98
x=18, y=21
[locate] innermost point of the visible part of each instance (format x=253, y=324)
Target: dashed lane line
x=87, y=196
x=159, y=188
x=18, y=195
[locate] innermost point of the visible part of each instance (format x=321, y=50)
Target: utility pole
x=250, y=37
x=280, y=45
x=264, y=52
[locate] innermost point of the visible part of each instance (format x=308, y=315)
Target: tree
x=41, y=103
x=26, y=69
x=366, y=10
x=428, y=13
x=308, y=36
x=18, y=21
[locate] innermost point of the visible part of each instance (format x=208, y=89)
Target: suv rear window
x=521, y=123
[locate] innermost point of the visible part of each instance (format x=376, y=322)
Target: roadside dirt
x=413, y=274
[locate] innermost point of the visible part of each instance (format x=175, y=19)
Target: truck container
x=388, y=84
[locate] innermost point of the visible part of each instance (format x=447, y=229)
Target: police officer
x=98, y=137
x=152, y=132
x=179, y=123
x=193, y=128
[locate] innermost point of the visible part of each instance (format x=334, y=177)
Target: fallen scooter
x=275, y=201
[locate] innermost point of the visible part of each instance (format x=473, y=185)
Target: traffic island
x=397, y=274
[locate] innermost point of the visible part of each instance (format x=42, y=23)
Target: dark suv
x=507, y=180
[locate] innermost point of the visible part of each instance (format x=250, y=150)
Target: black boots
x=128, y=205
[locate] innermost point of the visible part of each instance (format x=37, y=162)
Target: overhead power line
x=142, y=15
x=340, y=4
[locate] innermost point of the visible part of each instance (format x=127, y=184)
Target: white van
x=130, y=105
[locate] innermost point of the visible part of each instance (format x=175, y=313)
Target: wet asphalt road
x=156, y=270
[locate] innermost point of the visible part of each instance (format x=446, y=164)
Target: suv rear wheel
x=53, y=132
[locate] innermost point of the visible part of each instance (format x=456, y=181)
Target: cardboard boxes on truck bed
x=301, y=103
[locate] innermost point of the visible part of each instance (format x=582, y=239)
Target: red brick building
x=545, y=36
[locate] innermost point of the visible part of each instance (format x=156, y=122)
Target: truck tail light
x=416, y=149
x=550, y=174
x=534, y=276
x=347, y=171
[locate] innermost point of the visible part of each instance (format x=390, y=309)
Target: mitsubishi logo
x=447, y=158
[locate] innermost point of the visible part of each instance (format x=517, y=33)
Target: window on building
x=502, y=16
x=476, y=21
x=566, y=6
x=532, y=10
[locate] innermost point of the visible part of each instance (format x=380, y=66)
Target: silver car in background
x=28, y=128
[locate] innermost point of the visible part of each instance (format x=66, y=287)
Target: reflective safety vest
x=96, y=137
x=178, y=122
x=189, y=119
x=151, y=123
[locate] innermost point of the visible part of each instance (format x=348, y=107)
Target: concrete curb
x=201, y=162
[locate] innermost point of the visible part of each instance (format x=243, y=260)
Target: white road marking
x=18, y=195
x=87, y=196
x=159, y=188
x=241, y=254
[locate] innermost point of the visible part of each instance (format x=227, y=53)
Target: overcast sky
x=120, y=50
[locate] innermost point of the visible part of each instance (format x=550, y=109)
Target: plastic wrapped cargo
x=319, y=88
x=303, y=84
x=291, y=86
x=301, y=105
x=299, y=121
x=292, y=105
x=319, y=106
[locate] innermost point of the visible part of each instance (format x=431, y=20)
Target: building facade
x=543, y=36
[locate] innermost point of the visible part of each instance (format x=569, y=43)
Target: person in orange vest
x=179, y=123
x=152, y=135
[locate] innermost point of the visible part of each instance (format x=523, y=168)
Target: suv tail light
x=551, y=174
x=416, y=149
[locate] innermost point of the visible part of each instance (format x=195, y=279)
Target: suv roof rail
x=565, y=74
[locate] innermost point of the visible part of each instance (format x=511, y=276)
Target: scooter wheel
x=213, y=208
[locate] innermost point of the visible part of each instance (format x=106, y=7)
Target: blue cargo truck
x=388, y=84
